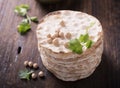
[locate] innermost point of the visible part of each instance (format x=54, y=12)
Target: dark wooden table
x=107, y=75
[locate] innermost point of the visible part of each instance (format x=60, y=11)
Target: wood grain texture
x=107, y=75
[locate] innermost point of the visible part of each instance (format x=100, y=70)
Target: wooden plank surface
x=107, y=75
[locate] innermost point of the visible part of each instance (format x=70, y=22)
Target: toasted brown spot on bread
x=54, y=13
x=91, y=37
x=66, y=45
x=57, y=17
x=62, y=23
x=57, y=31
x=49, y=36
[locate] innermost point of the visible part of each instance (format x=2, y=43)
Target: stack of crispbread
x=58, y=28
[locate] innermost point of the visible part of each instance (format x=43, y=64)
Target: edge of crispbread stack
x=63, y=63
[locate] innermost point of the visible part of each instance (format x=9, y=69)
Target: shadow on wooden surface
x=63, y=5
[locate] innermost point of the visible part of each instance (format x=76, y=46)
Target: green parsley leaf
x=89, y=43
x=25, y=74
x=25, y=21
x=22, y=9
x=84, y=38
x=34, y=19
x=23, y=28
x=75, y=46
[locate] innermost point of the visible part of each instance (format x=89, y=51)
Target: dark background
x=107, y=75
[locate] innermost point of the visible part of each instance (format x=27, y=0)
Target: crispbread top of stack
x=59, y=27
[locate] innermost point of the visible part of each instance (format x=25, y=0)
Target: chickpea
x=49, y=36
x=53, y=36
x=55, y=42
x=56, y=34
x=30, y=63
x=49, y=40
x=62, y=23
x=35, y=65
x=61, y=34
x=68, y=35
x=25, y=63
x=41, y=74
x=34, y=75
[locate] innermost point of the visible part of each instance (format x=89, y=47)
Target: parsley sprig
x=25, y=74
x=22, y=9
x=25, y=24
x=34, y=19
x=85, y=40
x=76, y=45
x=23, y=27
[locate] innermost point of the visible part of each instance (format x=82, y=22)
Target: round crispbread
x=61, y=61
